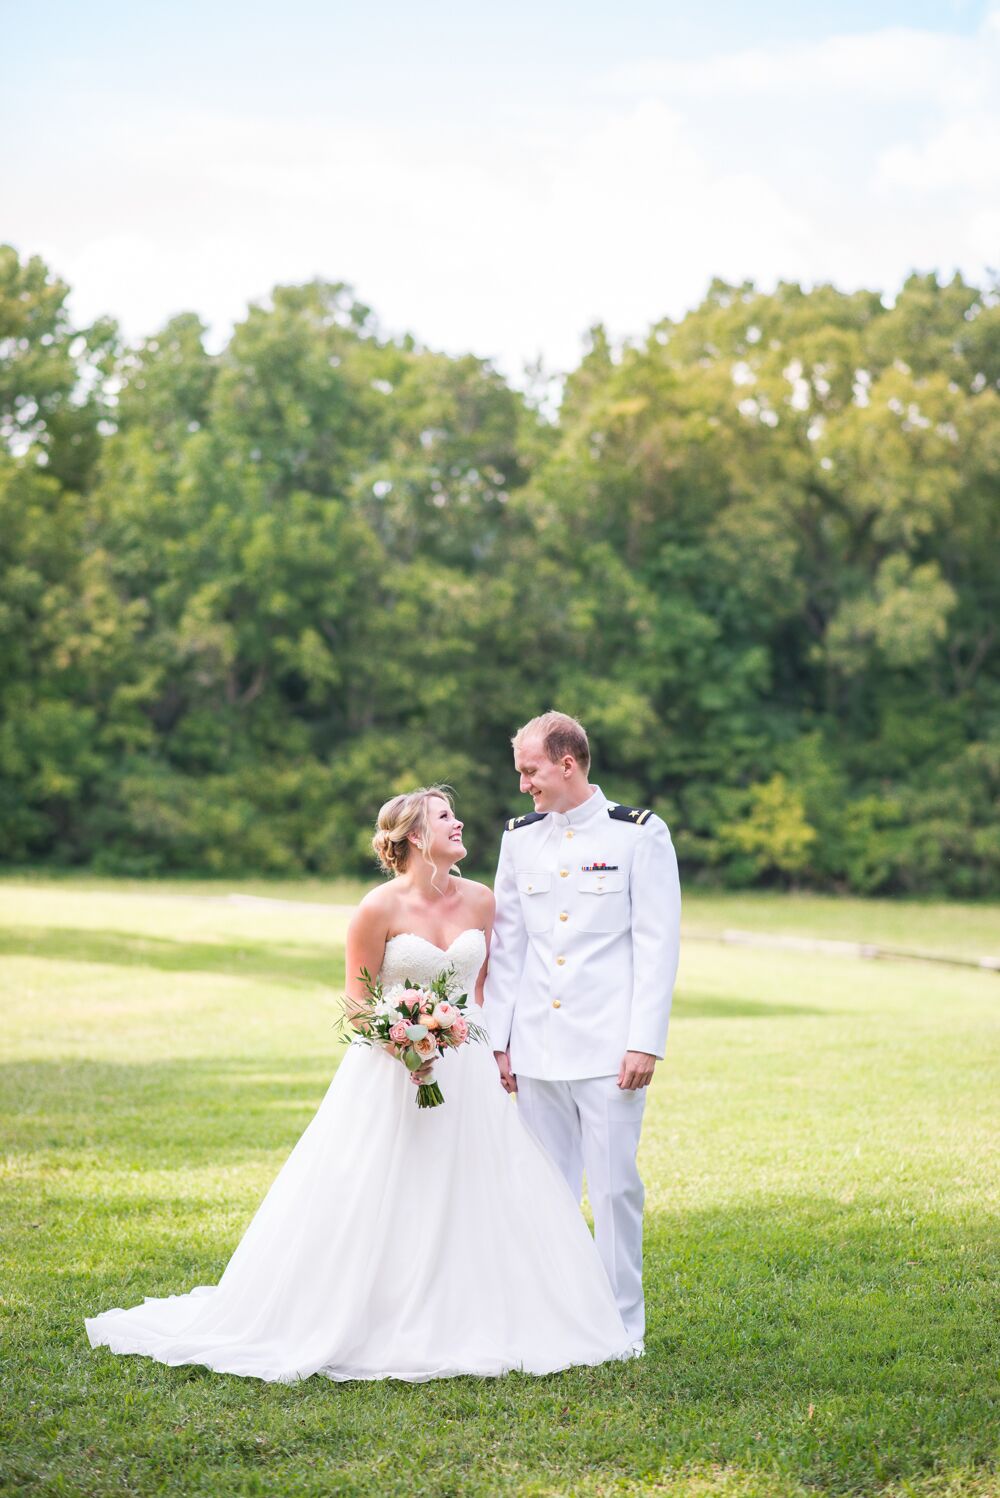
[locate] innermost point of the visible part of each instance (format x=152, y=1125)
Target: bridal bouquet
x=414, y=1023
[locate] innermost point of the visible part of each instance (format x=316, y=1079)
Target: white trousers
x=593, y=1125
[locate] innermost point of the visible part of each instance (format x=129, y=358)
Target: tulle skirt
x=398, y=1242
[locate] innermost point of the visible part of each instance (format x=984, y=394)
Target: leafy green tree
x=52, y=374
x=245, y=596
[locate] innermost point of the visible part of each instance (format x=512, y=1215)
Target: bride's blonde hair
x=402, y=817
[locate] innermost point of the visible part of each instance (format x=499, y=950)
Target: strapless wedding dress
x=398, y=1242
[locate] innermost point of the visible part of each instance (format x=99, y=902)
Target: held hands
x=508, y=1081
x=636, y=1070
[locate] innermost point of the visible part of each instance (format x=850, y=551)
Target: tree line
x=245, y=596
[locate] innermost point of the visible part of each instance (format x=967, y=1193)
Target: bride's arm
x=489, y=911
x=366, y=937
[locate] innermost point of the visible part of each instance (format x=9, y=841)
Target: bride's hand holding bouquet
x=414, y=1024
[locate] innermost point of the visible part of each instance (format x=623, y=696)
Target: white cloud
x=811, y=162
x=894, y=64
x=964, y=153
x=984, y=237
x=511, y=256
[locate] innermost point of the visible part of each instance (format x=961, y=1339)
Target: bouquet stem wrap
x=429, y=1095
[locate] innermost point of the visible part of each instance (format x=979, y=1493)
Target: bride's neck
x=430, y=882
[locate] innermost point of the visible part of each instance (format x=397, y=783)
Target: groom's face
x=542, y=780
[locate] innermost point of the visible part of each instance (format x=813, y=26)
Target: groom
x=581, y=974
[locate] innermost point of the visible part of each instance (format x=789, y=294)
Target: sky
x=495, y=178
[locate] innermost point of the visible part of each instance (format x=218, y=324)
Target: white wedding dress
x=399, y=1242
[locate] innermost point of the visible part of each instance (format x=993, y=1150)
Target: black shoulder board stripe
x=530, y=816
x=634, y=814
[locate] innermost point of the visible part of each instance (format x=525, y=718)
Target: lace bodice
x=420, y=960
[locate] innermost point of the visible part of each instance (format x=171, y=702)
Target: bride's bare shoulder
x=375, y=909
x=478, y=897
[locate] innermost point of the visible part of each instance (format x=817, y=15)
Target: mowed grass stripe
x=969, y=929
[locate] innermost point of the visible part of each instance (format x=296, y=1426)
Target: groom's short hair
x=560, y=734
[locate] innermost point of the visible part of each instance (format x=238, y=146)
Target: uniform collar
x=586, y=812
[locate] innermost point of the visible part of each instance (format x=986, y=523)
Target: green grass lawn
x=969, y=930
x=822, y=1243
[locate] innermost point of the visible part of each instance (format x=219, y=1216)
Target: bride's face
x=444, y=840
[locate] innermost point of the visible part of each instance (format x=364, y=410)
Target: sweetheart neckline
x=445, y=950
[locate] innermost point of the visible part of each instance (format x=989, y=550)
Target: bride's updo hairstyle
x=402, y=818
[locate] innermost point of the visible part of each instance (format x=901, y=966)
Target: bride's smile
x=439, y=845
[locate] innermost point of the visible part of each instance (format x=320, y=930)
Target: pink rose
x=446, y=1014
x=426, y=1047
x=460, y=1030
x=397, y=1032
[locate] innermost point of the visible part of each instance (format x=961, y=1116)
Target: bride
x=399, y=1242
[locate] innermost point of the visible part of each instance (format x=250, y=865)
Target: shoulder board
x=634, y=814
x=513, y=823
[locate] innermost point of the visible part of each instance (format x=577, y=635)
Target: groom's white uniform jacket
x=585, y=943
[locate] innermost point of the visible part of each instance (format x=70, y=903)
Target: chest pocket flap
x=533, y=884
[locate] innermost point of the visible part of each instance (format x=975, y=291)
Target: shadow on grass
x=859, y=1335
x=720, y=1006
x=290, y=963
x=163, y=1114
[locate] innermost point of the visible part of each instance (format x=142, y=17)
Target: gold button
x=563, y=916
x=530, y=888
x=556, y=1004
x=564, y=873
x=570, y=832
x=560, y=961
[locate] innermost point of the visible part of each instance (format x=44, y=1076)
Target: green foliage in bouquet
x=413, y=1023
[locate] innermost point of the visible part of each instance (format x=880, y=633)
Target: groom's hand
x=636, y=1070
x=508, y=1081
